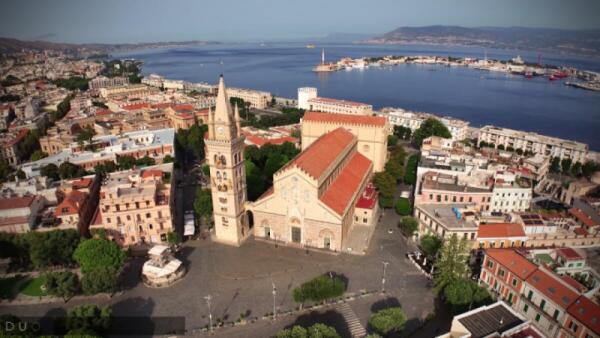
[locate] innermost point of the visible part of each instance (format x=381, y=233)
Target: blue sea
x=480, y=97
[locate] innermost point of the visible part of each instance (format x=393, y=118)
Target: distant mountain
x=9, y=45
x=543, y=39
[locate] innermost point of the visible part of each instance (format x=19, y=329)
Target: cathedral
x=315, y=199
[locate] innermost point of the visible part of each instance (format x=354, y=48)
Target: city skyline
x=232, y=20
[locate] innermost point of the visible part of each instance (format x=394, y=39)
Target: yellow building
x=313, y=200
x=371, y=132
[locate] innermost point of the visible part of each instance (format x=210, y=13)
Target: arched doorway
x=250, y=216
x=295, y=224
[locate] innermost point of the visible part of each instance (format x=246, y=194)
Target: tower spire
x=238, y=124
x=223, y=111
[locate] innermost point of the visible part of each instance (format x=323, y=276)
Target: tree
x=555, y=165
x=5, y=170
x=317, y=330
x=168, y=159
x=72, y=83
x=408, y=225
x=392, y=140
x=576, y=169
x=565, y=165
x=403, y=207
x=52, y=248
x=464, y=294
x=88, y=319
x=402, y=132
x=37, y=155
x=101, y=279
x=430, y=127
x=203, y=204
x=319, y=289
x=63, y=284
x=452, y=264
x=70, y=170
x=388, y=320
x=145, y=161
x=97, y=253
x=86, y=135
x=589, y=168
x=394, y=169
x=430, y=244
x=410, y=174
x=126, y=162
x=385, y=184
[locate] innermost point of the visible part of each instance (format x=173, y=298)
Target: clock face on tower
x=220, y=130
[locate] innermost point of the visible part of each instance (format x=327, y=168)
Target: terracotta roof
x=582, y=217
x=260, y=141
x=18, y=137
x=16, y=202
x=136, y=106
x=368, y=199
x=338, y=195
x=587, y=313
x=100, y=112
x=336, y=101
x=152, y=173
x=17, y=220
x=82, y=183
x=344, y=118
x=573, y=283
x=178, y=107
x=581, y=231
x=320, y=155
x=162, y=105
x=500, y=230
x=72, y=203
x=513, y=261
x=569, y=254
x=553, y=288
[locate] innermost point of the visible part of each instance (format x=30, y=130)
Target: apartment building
x=104, y=82
x=257, y=99
x=327, y=105
x=534, y=143
x=135, y=206
x=9, y=146
x=511, y=193
x=413, y=120
x=555, y=304
x=19, y=214
x=130, y=91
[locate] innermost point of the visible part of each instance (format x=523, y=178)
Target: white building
x=256, y=98
x=510, y=194
x=328, y=105
x=305, y=94
x=413, y=120
x=533, y=142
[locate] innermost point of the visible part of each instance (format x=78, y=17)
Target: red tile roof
x=573, y=283
x=500, y=230
x=368, y=199
x=179, y=107
x=569, y=254
x=72, y=203
x=581, y=231
x=18, y=137
x=587, y=313
x=320, y=155
x=17, y=220
x=16, y=202
x=152, y=173
x=552, y=287
x=136, y=106
x=344, y=119
x=82, y=183
x=582, y=217
x=513, y=261
x=100, y=112
x=338, y=195
x=260, y=141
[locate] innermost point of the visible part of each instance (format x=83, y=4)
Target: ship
x=324, y=67
x=310, y=46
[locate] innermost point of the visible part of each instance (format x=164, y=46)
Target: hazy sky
x=161, y=20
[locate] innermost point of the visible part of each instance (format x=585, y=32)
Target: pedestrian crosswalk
x=354, y=325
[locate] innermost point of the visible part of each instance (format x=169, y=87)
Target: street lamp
x=385, y=264
x=208, y=298
x=274, y=300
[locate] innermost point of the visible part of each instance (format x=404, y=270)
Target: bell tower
x=225, y=156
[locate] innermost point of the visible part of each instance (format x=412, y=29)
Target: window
x=525, y=308
x=490, y=264
x=296, y=235
x=530, y=295
x=555, y=315
x=108, y=220
x=150, y=226
x=573, y=327
x=148, y=215
x=501, y=272
x=542, y=304
x=537, y=317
